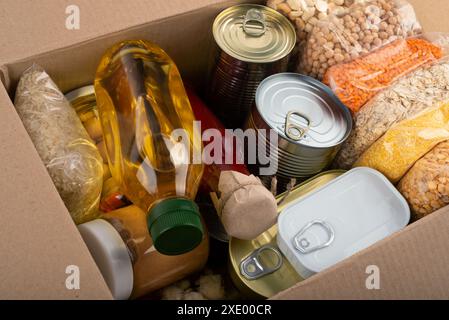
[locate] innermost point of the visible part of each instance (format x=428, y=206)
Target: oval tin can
x=346, y=216
x=285, y=276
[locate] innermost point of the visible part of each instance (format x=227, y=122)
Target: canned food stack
x=253, y=42
x=309, y=121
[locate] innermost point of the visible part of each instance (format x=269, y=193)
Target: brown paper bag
x=246, y=207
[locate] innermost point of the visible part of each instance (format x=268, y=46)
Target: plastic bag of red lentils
x=404, y=99
x=360, y=29
x=359, y=80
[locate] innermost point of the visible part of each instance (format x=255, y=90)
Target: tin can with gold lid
x=84, y=102
x=257, y=267
x=253, y=42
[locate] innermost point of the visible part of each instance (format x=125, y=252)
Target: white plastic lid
x=111, y=256
x=346, y=216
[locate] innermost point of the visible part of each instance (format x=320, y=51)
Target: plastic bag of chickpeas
x=363, y=27
x=426, y=184
x=304, y=14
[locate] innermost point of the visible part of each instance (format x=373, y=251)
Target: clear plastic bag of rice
x=63, y=144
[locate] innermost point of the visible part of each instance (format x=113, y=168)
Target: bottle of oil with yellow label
x=148, y=126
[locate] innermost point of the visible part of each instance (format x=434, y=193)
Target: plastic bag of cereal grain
x=426, y=185
x=362, y=28
x=71, y=158
x=410, y=95
x=405, y=143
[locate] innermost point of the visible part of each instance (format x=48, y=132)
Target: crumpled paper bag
x=247, y=208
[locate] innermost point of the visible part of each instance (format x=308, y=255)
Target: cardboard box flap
x=29, y=28
x=432, y=14
x=42, y=250
x=43, y=241
x=411, y=264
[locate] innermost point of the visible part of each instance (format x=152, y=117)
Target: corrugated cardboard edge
x=17, y=65
x=167, y=10
x=412, y=264
x=45, y=240
x=38, y=235
x=4, y=77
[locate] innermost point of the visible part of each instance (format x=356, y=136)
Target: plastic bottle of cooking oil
x=147, y=124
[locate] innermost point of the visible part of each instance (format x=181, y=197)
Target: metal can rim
x=233, y=264
x=347, y=114
x=282, y=19
x=80, y=92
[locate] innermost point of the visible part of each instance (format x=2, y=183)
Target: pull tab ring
x=293, y=131
x=252, y=268
x=258, y=24
x=303, y=245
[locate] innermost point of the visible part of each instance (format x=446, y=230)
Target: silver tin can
x=311, y=124
x=253, y=42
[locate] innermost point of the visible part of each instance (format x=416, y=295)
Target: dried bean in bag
x=360, y=29
x=426, y=185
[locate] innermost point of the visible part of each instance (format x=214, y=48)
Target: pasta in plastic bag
x=426, y=87
x=360, y=29
x=359, y=80
x=63, y=144
x=396, y=152
x=426, y=185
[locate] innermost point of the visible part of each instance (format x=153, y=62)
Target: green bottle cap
x=175, y=226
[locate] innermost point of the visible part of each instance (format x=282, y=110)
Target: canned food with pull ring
x=311, y=124
x=253, y=42
x=347, y=215
x=257, y=267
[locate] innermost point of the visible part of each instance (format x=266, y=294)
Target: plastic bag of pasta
x=425, y=87
x=405, y=143
x=63, y=144
x=426, y=185
x=358, y=30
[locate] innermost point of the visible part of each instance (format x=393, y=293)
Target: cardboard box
x=39, y=239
